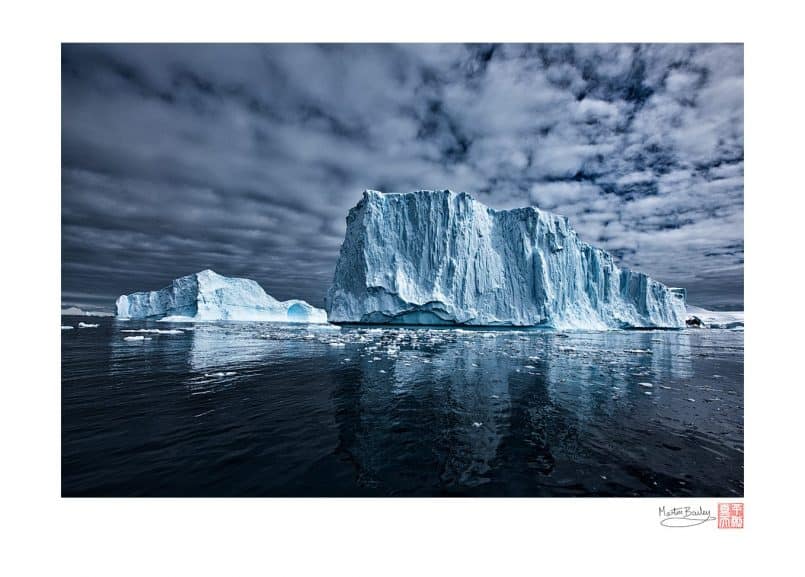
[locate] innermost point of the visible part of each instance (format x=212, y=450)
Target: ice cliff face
x=207, y=295
x=440, y=257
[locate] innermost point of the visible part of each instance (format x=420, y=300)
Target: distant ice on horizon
x=77, y=312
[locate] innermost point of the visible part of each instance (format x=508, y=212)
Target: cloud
x=554, y=194
x=247, y=158
x=639, y=177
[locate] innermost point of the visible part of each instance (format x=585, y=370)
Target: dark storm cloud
x=246, y=159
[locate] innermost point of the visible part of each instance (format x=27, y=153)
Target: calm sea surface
x=261, y=409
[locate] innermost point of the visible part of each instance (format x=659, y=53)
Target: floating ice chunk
x=137, y=338
x=179, y=319
x=66, y=327
x=220, y=374
x=692, y=400
x=155, y=331
x=647, y=385
x=477, y=425
x=638, y=351
x=87, y=326
x=647, y=393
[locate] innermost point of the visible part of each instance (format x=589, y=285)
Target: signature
x=684, y=516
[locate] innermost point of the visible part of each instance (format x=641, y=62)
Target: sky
x=246, y=158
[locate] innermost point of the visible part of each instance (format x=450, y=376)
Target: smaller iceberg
x=703, y=318
x=77, y=312
x=208, y=296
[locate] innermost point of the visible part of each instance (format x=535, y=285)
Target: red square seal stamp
x=730, y=515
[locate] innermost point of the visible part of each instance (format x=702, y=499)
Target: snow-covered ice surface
x=717, y=319
x=208, y=296
x=255, y=408
x=440, y=257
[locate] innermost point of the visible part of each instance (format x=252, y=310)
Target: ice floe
x=154, y=331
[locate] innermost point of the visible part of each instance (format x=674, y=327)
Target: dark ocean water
x=259, y=409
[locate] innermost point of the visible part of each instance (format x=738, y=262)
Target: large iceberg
x=208, y=296
x=440, y=257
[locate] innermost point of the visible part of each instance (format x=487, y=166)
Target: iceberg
x=77, y=312
x=208, y=296
x=700, y=317
x=441, y=257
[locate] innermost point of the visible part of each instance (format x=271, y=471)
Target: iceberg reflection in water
x=272, y=409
